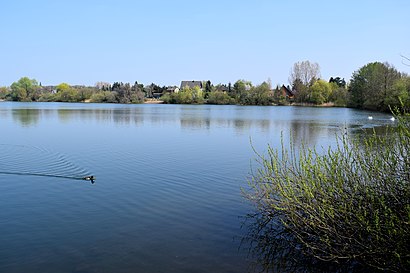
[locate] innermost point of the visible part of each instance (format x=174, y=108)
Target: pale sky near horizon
x=86, y=41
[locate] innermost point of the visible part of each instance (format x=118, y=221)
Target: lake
x=167, y=195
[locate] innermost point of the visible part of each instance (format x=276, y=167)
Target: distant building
x=49, y=88
x=286, y=92
x=191, y=84
x=222, y=88
x=162, y=91
x=172, y=89
x=156, y=94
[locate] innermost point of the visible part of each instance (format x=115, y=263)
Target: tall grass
x=349, y=206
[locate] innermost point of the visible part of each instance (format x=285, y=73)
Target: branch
x=405, y=59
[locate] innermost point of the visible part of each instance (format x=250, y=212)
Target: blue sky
x=85, y=41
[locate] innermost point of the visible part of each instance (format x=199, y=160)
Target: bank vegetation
x=375, y=86
x=347, y=208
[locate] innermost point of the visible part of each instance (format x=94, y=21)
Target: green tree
x=63, y=87
x=261, y=95
x=300, y=90
x=104, y=96
x=339, y=95
x=3, y=92
x=25, y=89
x=219, y=97
x=208, y=89
x=241, y=92
x=66, y=93
x=85, y=93
x=239, y=89
x=320, y=92
x=338, y=81
x=279, y=98
x=197, y=95
x=370, y=85
x=302, y=76
x=184, y=96
x=398, y=95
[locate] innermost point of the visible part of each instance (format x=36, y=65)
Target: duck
x=89, y=178
x=392, y=119
x=370, y=117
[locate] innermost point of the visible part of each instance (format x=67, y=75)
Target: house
x=50, y=89
x=286, y=92
x=222, y=88
x=191, y=84
x=157, y=93
x=171, y=89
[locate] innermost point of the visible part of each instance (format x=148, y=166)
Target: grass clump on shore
x=347, y=207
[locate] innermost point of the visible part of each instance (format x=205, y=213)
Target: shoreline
x=153, y=101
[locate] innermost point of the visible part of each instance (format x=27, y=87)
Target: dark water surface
x=168, y=192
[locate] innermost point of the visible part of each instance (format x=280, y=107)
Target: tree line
x=375, y=86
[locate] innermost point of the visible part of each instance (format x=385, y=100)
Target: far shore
x=157, y=101
x=153, y=101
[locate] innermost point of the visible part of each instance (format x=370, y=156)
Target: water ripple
x=37, y=161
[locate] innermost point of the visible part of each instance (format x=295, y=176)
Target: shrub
x=219, y=97
x=104, y=96
x=350, y=205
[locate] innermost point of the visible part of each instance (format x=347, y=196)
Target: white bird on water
x=392, y=119
x=370, y=117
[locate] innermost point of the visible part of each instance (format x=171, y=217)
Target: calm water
x=167, y=195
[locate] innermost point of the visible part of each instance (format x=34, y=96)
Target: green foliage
x=3, y=92
x=219, y=97
x=24, y=89
x=208, y=89
x=167, y=98
x=320, y=92
x=185, y=96
x=348, y=206
x=121, y=93
x=85, y=93
x=375, y=86
x=370, y=86
x=300, y=90
x=240, y=90
x=339, y=96
x=67, y=95
x=63, y=87
x=197, y=95
x=399, y=94
x=47, y=97
x=246, y=94
x=261, y=95
x=338, y=81
x=104, y=97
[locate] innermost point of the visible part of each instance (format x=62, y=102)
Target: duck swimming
x=89, y=178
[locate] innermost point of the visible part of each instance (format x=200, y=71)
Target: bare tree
x=305, y=72
x=269, y=82
x=101, y=85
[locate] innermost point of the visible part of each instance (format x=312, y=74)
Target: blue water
x=168, y=192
